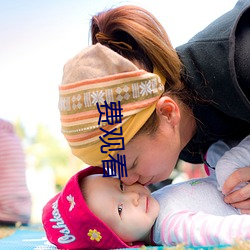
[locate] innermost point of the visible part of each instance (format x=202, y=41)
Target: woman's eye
x=121, y=186
x=120, y=206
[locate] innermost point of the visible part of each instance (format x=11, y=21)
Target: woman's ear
x=168, y=109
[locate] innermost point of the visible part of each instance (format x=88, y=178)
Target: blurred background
x=36, y=39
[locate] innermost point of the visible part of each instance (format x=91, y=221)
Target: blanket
x=33, y=237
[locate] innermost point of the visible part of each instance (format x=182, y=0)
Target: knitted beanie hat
x=100, y=76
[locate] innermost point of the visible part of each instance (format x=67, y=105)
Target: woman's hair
x=137, y=35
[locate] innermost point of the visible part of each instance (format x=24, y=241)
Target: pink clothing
x=194, y=212
x=15, y=200
x=202, y=229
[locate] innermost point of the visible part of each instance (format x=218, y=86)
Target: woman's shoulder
x=209, y=65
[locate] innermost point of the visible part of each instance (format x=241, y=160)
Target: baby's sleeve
x=201, y=229
x=214, y=153
x=233, y=159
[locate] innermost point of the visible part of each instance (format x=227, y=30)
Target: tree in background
x=44, y=150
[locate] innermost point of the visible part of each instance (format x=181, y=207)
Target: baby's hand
x=240, y=198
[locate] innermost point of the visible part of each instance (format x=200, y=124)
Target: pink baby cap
x=69, y=223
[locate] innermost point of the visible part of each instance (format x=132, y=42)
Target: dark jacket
x=217, y=67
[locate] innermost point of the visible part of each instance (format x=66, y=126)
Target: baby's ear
x=168, y=109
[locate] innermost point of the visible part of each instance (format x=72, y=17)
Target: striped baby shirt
x=194, y=212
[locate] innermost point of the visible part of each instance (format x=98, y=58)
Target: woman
x=206, y=93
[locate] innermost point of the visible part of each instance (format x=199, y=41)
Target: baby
x=93, y=212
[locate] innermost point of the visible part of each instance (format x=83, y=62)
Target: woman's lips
x=148, y=183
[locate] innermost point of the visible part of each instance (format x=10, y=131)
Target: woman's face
x=151, y=159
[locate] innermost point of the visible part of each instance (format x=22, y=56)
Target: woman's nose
x=130, y=179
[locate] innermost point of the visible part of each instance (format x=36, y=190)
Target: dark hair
x=137, y=35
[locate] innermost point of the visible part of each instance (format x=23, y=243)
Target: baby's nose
x=133, y=197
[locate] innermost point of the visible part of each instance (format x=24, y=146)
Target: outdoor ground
x=33, y=237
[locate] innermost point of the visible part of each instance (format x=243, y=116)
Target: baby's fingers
x=237, y=177
x=243, y=206
x=245, y=211
x=239, y=198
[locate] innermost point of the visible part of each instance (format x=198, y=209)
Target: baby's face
x=130, y=211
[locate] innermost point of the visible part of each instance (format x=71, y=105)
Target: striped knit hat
x=98, y=75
